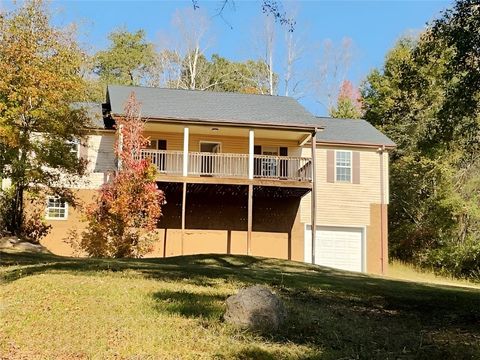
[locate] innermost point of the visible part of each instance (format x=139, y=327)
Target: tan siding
x=345, y=204
x=174, y=140
x=230, y=144
x=99, y=153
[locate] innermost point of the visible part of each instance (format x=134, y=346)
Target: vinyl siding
x=230, y=144
x=101, y=160
x=346, y=204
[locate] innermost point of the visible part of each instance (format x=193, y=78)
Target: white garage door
x=337, y=247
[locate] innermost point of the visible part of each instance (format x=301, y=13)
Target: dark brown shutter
x=162, y=144
x=283, y=163
x=257, y=163
x=330, y=166
x=356, y=167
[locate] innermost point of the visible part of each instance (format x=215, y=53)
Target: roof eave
x=358, y=144
x=236, y=123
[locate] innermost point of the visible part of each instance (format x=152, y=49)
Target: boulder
x=256, y=308
x=14, y=243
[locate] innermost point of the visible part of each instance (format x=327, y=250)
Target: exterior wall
x=230, y=144
x=377, y=254
x=348, y=204
x=98, y=150
x=277, y=238
x=54, y=241
x=339, y=204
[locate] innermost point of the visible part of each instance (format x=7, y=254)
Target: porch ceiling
x=209, y=129
x=228, y=190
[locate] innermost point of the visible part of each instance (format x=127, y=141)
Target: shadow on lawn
x=348, y=315
x=190, y=304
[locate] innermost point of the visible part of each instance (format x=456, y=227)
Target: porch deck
x=226, y=165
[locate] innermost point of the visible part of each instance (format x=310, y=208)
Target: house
x=239, y=178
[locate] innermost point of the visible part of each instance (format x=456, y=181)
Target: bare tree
x=331, y=70
x=264, y=43
x=269, y=37
x=179, y=60
x=294, y=50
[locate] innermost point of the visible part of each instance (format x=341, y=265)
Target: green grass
x=407, y=271
x=65, y=308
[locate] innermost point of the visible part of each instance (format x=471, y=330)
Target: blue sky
x=374, y=26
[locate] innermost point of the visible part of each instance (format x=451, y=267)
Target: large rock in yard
x=14, y=243
x=257, y=308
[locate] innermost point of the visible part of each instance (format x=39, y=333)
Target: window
x=57, y=208
x=343, y=166
x=157, y=144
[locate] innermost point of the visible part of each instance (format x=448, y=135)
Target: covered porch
x=228, y=151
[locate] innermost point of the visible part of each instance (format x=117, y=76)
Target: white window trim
x=209, y=142
x=47, y=217
x=351, y=167
x=277, y=148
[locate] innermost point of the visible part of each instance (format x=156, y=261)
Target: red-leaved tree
x=122, y=221
x=349, y=102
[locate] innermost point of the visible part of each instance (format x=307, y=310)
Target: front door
x=208, y=160
x=269, y=165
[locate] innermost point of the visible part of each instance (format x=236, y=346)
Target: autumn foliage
x=122, y=221
x=349, y=102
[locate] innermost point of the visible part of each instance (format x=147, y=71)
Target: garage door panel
x=337, y=247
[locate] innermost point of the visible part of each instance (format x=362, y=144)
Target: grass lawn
x=65, y=308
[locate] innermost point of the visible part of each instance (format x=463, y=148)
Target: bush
x=6, y=201
x=458, y=260
x=34, y=227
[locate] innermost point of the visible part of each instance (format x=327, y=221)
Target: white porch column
x=314, y=193
x=185, y=151
x=251, y=143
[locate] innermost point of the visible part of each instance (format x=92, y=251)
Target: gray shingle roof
x=241, y=108
x=212, y=106
x=351, y=131
x=94, y=113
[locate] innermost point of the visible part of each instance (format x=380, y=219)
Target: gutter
x=230, y=123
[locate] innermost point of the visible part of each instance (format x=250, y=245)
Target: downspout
x=120, y=147
x=382, y=203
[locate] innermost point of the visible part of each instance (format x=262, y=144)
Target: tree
x=331, y=70
x=129, y=60
x=426, y=99
x=269, y=7
x=122, y=220
x=40, y=66
x=186, y=54
x=265, y=45
x=349, y=105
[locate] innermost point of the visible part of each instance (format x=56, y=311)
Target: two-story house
x=248, y=174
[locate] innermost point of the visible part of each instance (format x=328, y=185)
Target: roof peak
x=198, y=91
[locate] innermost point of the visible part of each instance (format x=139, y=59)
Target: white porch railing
x=282, y=167
x=218, y=164
x=231, y=165
x=167, y=162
